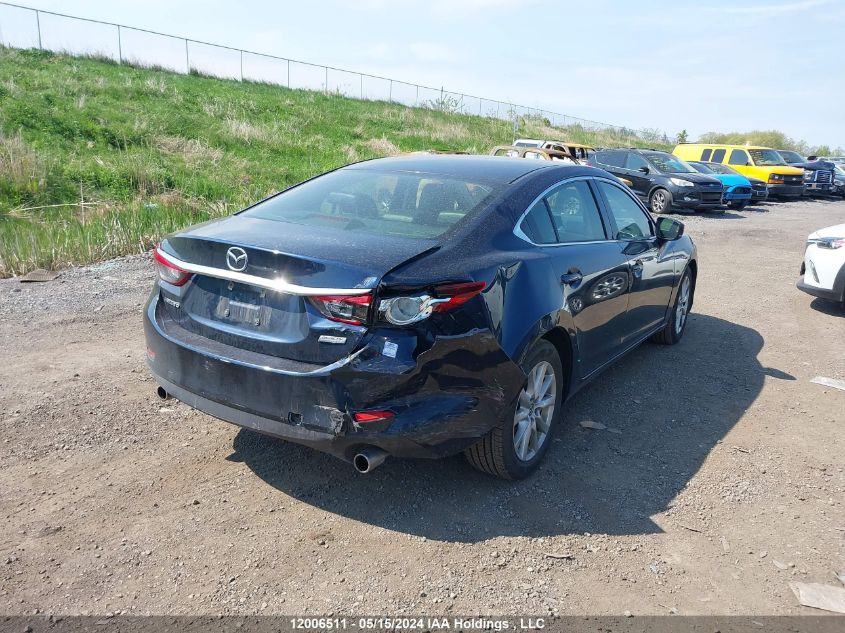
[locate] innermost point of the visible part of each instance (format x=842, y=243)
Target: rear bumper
x=444, y=398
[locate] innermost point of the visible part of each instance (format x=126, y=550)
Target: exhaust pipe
x=161, y=392
x=368, y=459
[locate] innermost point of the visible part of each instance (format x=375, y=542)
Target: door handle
x=572, y=278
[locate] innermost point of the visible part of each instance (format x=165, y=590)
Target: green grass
x=135, y=153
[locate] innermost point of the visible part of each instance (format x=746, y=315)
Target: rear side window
x=631, y=221
x=635, y=162
x=378, y=202
x=718, y=155
x=575, y=213
x=705, y=155
x=537, y=225
x=611, y=159
x=738, y=157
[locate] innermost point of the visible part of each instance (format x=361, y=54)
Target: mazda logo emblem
x=236, y=259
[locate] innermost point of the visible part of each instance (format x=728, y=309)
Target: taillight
x=411, y=309
x=169, y=272
x=372, y=416
x=345, y=309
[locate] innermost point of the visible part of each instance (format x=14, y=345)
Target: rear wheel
x=674, y=329
x=515, y=447
x=660, y=201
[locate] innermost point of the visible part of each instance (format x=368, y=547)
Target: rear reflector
x=372, y=416
x=168, y=272
x=345, y=309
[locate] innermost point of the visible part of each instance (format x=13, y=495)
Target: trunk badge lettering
x=170, y=301
x=335, y=340
x=236, y=259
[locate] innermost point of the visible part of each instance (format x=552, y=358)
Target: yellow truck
x=751, y=161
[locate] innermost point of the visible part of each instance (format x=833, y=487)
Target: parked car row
x=699, y=176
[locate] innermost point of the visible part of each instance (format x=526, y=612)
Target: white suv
x=823, y=269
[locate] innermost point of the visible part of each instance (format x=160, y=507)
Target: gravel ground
x=718, y=481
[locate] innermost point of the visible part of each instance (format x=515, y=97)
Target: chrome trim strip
x=278, y=285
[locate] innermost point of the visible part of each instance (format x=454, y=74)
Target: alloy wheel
x=682, y=309
x=535, y=411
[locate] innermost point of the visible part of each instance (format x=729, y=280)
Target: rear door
x=588, y=269
x=634, y=166
x=652, y=273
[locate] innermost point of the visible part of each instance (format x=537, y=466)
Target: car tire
x=497, y=453
x=672, y=331
x=739, y=206
x=660, y=201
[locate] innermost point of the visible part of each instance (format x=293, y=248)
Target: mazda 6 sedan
x=419, y=306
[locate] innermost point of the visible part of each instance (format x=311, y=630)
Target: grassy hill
x=99, y=159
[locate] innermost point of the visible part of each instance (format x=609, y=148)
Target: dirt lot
x=719, y=480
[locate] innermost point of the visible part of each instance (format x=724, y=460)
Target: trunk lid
x=252, y=277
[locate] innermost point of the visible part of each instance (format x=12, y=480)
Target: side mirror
x=669, y=229
x=748, y=163
x=643, y=169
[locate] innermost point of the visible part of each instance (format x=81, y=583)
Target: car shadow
x=831, y=308
x=665, y=409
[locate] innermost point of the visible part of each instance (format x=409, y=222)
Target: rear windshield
x=378, y=202
x=766, y=157
x=668, y=164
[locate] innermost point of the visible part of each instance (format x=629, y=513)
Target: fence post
x=187, y=57
x=390, y=92
x=362, y=85
x=242, y=65
x=119, y=46
x=288, y=73
x=417, y=100
x=327, y=80
x=38, y=22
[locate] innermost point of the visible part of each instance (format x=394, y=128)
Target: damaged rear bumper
x=444, y=394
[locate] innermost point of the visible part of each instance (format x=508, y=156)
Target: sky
x=717, y=65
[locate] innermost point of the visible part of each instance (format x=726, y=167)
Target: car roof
x=492, y=169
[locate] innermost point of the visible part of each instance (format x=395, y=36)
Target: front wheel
x=677, y=322
x=515, y=447
x=660, y=201
x=739, y=206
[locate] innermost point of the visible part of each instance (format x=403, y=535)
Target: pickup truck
x=818, y=174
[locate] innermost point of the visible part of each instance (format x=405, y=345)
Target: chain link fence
x=25, y=27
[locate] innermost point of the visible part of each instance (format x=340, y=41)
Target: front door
x=652, y=273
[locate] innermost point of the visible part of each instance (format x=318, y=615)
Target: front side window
x=631, y=221
x=378, y=202
x=738, y=157
x=575, y=213
x=668, y=164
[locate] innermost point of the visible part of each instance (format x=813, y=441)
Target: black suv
x=660, y=179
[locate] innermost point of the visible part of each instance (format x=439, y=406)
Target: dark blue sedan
x=417, y=306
